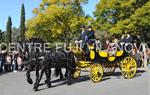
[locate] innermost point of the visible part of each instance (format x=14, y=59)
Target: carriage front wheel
x=128, y=67
x=96, y=72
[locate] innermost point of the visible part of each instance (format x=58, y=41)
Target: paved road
x=15, y=84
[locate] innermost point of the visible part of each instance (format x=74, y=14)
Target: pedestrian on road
x=20, y=62
x=8, y=63
x=0, y=62
x=2, y=58
x=14, y=62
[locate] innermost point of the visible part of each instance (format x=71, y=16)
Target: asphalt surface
x=15, y=84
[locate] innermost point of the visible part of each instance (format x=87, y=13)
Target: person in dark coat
x=3, y=55
x=0, y=61
x=127, y=39
x=83, y=34
x=90, y=35
x=89, y=39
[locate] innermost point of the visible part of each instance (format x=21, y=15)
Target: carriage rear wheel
x=76, y=74
x=128, y=67
x=109, y=69
x=96, y=72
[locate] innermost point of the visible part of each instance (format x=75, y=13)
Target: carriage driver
x=83, y=34
x=87, y=37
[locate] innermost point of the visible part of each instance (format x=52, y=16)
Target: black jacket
x=90, y=35
x=82, y=36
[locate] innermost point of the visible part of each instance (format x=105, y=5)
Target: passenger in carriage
x=126, y=41
x=90, y=36
x=126, y=37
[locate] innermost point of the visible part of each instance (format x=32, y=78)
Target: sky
x=13, y=8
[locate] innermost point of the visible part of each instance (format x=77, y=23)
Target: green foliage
x=117, y=16
x=15, y=34
x=1, y=36
x=8, y=30
x=57, y=20
x=140, y=19
x=22, y=24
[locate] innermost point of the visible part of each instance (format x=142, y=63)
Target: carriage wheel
x=96, y=72
x=109, y=69
x=128, y=67
x=76, y=74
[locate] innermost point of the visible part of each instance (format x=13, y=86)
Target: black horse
x=33, y=60
x=57, y=60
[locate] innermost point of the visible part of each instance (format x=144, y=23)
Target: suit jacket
x=90, y=35
x=82, y=36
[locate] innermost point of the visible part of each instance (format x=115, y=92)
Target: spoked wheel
x=76, y=74
x=96, y=72
x=128, y=67
x=109, y=69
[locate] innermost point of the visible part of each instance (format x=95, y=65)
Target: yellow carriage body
x=110, y=58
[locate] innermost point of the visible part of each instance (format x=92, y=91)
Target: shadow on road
x=52, y=86
x=4, y=73
x=139, y=73
x=74, y=81
x=118, y=74
x=86, y=78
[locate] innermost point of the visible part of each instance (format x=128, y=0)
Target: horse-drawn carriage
x=103, y=62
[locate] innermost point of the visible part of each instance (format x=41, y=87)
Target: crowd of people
x=10, y=61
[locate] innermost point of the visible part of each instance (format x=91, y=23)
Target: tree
x=1, y=36
x=22, y=24
x=15, y=34
x=117, y=16
x=110, y=12
x=8, y=30
x=57, y=20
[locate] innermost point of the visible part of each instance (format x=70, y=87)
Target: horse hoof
x=30, y=81
x=66, y=76
x=61, y=78
x=48, y=85
x=35, y=88
x=68, y=83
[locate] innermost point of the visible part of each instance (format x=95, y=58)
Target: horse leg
x=48, y=76
x=43, y=69
x=69, y=77
x=61, y=75
x=66, y=73
x=29, y=80
x=37, y=74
